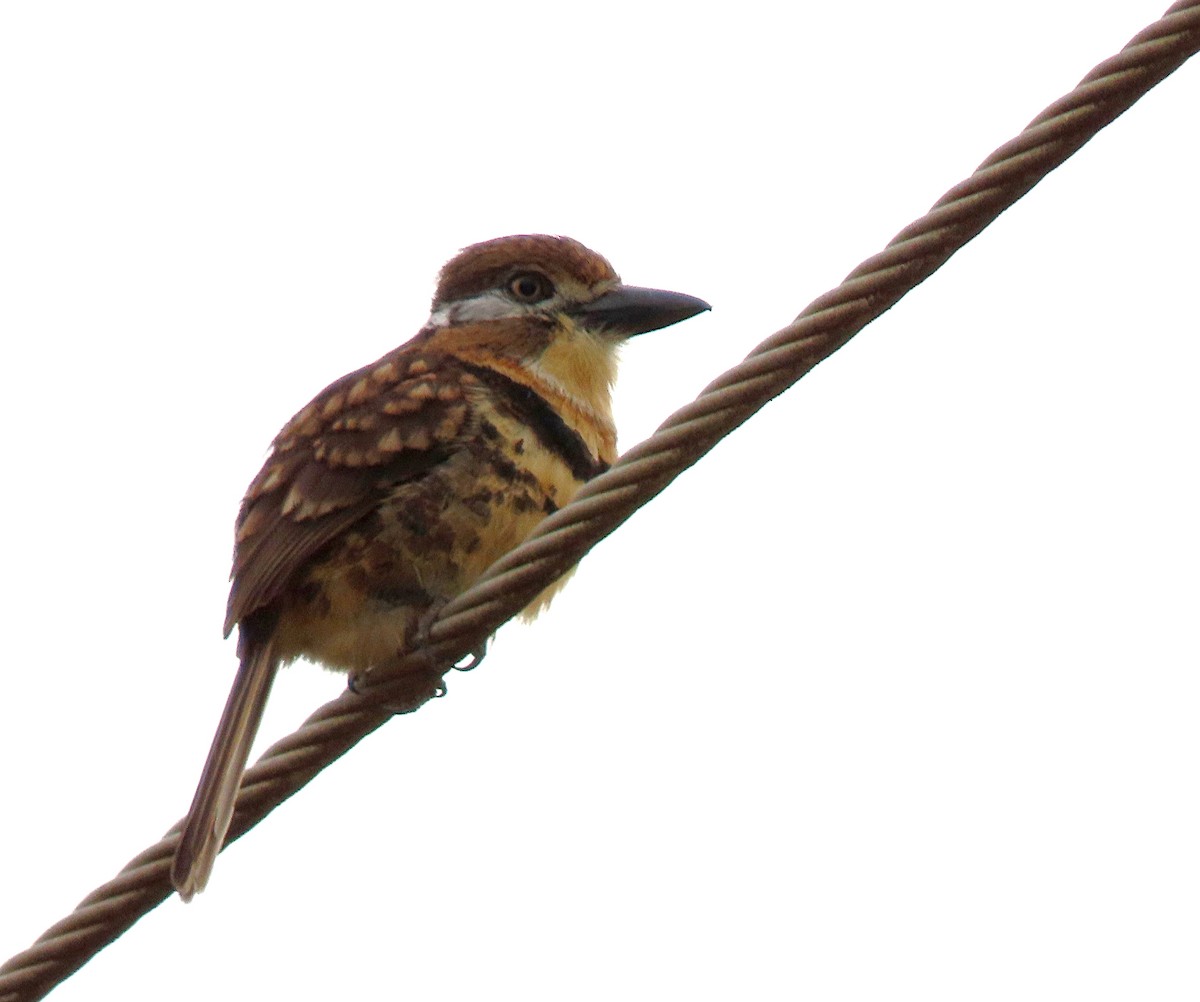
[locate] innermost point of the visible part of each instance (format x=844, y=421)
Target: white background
x=893, y=696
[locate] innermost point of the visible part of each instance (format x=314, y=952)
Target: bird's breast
x=430, y=539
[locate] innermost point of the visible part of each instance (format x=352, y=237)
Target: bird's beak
x=628, y=310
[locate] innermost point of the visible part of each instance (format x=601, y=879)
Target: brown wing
x=336, y=460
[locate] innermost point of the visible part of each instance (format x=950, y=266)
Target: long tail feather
x=211, y=812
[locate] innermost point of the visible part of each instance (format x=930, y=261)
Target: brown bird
x=394, y=489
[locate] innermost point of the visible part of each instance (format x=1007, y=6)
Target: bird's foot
x=422, y=644
x=426, y=666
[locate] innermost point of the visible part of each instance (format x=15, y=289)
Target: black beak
x=628, y=310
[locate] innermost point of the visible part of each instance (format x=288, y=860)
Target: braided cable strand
x=644, y=471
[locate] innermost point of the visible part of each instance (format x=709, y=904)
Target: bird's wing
x=332, y=464
x=337, y=460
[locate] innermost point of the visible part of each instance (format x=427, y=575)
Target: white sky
x=893, y=696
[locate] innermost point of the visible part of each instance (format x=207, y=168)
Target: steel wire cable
x=641, y=473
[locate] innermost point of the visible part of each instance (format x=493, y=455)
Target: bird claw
x=354, y=684
x=420, y=648
x=469, y=662
x=473, y=658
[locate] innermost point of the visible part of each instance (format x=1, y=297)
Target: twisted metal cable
x=645, y=470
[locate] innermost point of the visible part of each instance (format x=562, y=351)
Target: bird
x=396, y=487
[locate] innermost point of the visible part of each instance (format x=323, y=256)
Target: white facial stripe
x=490, y=305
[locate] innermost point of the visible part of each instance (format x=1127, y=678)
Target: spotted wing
x=336, y=460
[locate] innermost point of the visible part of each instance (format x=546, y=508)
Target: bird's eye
x=529, y=287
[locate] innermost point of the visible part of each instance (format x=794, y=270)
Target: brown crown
x=486, y=265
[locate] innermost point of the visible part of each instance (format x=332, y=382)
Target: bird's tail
x=211, y=812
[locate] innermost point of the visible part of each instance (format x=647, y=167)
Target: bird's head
x=549, y=312
x=546, y=276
